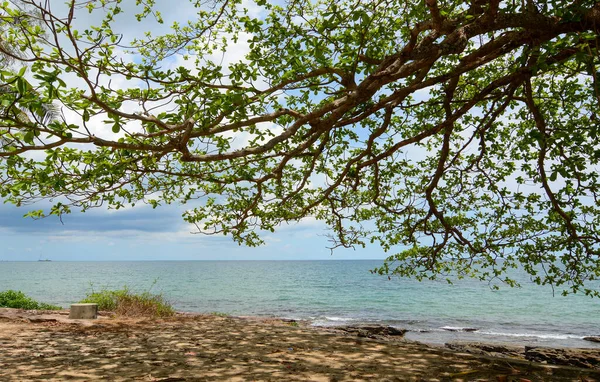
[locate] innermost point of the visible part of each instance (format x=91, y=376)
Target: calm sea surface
x=327, y=293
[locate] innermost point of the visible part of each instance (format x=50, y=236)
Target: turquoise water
x=327, y=293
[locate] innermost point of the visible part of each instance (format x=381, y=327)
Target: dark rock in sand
x=592, y=338
x=391, y=331
x=373, y=331
x=588, y=358
x=494, y=350
x=41, y=319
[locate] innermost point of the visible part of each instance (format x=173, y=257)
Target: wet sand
x=50, y=347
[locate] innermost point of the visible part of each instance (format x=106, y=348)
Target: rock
x=41, y=319
x=587, y=358
x=391, y=331
x=373, y=331
x=592, y=338
x=494, y=350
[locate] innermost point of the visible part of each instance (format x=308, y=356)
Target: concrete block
x=84, y=311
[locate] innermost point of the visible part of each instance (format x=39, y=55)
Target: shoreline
x=284, y=290
x=190, y=347
x=439, y=336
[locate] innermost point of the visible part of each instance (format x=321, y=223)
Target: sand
x=214, y=348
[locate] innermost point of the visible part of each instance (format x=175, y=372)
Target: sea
x=330, y=293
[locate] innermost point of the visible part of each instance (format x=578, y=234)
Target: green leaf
x=21, y=85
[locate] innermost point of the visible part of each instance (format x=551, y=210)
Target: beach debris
x=463, y=373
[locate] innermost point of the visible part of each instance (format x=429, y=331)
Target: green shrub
x=106, y=299
x=125, y=303
x=19, y=300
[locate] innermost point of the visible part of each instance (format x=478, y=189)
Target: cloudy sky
x=147, y=234
x=143, y=233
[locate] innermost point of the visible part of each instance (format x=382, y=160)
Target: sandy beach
x=51, y=347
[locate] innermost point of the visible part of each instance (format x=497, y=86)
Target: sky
x=143, y=233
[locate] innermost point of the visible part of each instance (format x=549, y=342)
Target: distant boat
x=44, y=260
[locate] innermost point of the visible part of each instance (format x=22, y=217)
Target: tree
x=45, y=112
x=461, y=136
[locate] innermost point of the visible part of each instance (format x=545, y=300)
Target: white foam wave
x=552, y=336
x=339, y=319
x=459, y=328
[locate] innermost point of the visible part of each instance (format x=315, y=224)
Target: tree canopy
x=462, y=137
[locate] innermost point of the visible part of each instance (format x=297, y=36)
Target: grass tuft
x=126, y=303
x=19, y=300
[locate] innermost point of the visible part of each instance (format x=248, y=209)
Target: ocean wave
x=340, y=319
x=550, y=336
x=332, y=321
x=459, y=328
x=419, y=327
x=493, y=333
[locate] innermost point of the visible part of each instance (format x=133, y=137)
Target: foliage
x=19, y=300
x=461, y=135
x=8, y=54
x=124, y=302
x=106, y=299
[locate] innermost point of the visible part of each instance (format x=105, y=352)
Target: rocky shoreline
x=576, y=357
x=192, y=347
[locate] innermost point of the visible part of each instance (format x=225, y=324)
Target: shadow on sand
x=210, y=348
